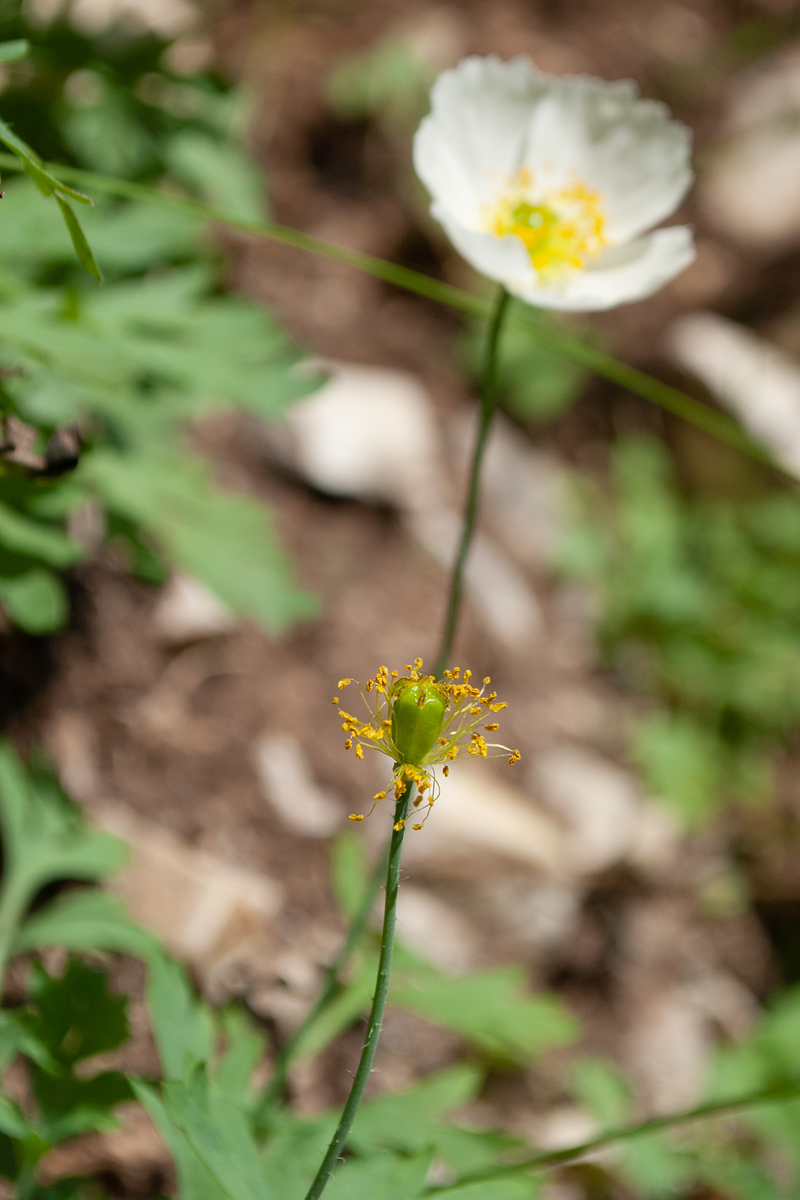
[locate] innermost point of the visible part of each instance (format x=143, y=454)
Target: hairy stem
x=488, y=400
x=375, y=1021
x=559, y=1158
x=331, y=988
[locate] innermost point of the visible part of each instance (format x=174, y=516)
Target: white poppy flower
x=548, y=184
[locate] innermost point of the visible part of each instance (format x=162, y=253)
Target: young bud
x=417, y=718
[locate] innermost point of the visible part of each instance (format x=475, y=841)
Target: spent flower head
x=420, y=723
x=548, y=184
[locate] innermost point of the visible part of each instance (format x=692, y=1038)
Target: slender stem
x=695, y=412
x=557, y=1158
x=375, y=1021
x=488, y=401
x=331, y=988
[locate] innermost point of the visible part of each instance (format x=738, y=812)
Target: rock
x=541, y=914
x=478, y=814
x=504, y=599
x=667, y=1048
x=370, y=433
x=212, y=913
x=434, y=930
x=166, y=18
x=596, y=799
x=187, y=611
x=749, y=376
x=72, y=742
x=288, y=784
x=524, y=492
x=751, y=187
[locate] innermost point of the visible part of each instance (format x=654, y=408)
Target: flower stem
x=375, y=1021
x=488, y=401
x=332, y=986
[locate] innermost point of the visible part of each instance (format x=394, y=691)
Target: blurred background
x=256, y=494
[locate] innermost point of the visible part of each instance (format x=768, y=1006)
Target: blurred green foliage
x=534, y=384
x=700, y=612
x=391, y=81
x=122, y=372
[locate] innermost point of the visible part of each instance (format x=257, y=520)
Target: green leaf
x=496, y=1189
x=78, y=238
x=76, y=1016
x=85, y=921
x=45, y=182
x=44, y=837
x=404, y=1120
x=12, y=1119
x=603, y=1091
x=384, y=1175
x=195, y=1181
x=37, y=539
x=225, y=541
x=294, y=1152
x=218, y=1133
x=244, y=1050
x=36, y=600
x=489, y=1008
x=182, y=1024
x=13, y=51
x=218, y=171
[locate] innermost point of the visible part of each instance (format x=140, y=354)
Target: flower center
x=560, y=228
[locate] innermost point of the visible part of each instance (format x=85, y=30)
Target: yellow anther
x=348, y=744
x=343, y=683
x=354, y=817
x=379, y=796
x=445, y=770
x=515, y=757
x=359, y=752
x=416, y=827
x=491, y=728
x=486, y=680
x=335, y=700
x=398, y=826
x=369, y=685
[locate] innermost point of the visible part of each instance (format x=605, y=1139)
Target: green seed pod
x=417, y=717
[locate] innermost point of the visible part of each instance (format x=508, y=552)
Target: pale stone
x=596, y=799
x=369, y=432
x=754, y=380
x=750, y=188
x=187, y=611
x=504, y=599
x=207, y=911
x=434, y=930
x=288, y=783
x=480, y=814
x=667, y=1049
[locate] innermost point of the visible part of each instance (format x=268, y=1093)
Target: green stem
x=488, y=402
x=559, y=1158
x=375, y=1021
x=653, y=390
x=331, y=988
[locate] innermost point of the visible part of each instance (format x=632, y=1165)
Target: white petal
x=621, y=275
x=626, y=148
x=502, y=258
x=474, y=137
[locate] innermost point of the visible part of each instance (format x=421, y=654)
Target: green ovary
x=417, y=718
